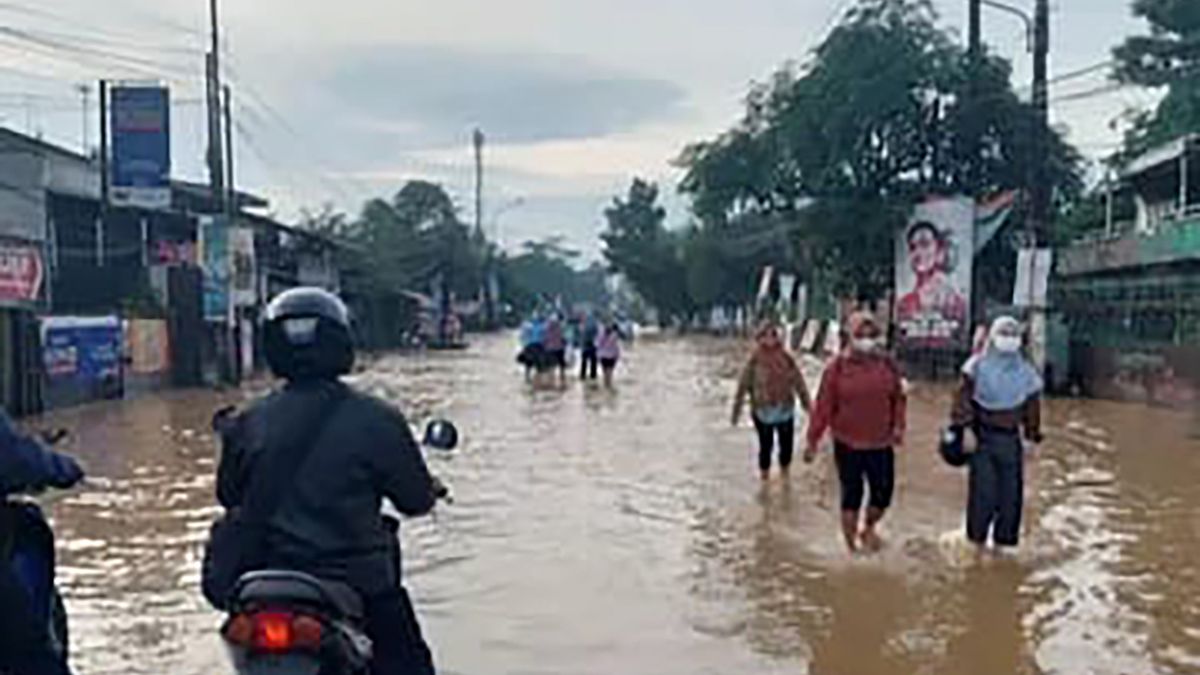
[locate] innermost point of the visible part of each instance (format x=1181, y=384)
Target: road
x=628, y=532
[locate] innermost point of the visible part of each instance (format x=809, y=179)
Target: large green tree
x=1168, y=58
x=638, y=245
x=836, y=149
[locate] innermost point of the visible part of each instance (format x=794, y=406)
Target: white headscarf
x=1003, y=380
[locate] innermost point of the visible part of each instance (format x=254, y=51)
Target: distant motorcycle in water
x=285, y=622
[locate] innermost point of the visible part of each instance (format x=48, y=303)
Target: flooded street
x=628, y=532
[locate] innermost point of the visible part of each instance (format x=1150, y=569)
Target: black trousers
x=996, y=492
x=859, y=469
x=395, y=634
x=767, y=433
x=25, y=643
x=588, y=364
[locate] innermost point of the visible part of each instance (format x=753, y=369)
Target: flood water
x=628, y=532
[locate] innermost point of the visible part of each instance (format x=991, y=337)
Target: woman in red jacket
x=862, y=403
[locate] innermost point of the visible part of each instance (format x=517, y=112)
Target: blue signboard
x=141, y=147
x=85, y=349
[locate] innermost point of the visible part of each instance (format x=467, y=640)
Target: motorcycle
x=27, y=547
x=288, y=622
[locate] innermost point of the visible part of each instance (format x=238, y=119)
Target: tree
x=838, y=148
x=1169, y=57
x=544, y=270
x=638, y=245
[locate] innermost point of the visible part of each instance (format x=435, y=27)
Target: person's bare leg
x=870, y=537
x=850, y=530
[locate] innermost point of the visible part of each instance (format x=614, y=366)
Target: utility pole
x=231, y=205
x=1040, y=190
x=85, y=95
x=478, y=141
x=216, y=170
x=104, y=171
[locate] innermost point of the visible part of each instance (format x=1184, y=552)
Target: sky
x=338, y=102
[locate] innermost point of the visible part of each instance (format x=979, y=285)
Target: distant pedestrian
x=773, y=381
x=533, y=352
x=1000, y=397
x=862, y=403
x=555, y=344
x=608, y=350
x=589, y=333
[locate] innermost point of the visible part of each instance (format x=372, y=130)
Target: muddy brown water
x=628, y=532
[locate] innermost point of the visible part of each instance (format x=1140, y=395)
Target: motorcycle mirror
x=441, y=435
x=54, y=436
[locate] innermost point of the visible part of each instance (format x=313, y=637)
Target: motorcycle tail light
x=307, y=632
x=273, y=632
x=239, y=631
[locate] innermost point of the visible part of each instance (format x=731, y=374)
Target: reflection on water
x=627, y=531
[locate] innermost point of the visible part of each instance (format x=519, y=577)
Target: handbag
x=236, y=542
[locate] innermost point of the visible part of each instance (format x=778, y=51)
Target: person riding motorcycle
x=26, y=646
x=328, y=521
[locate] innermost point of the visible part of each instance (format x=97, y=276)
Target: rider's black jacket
x=328, y=520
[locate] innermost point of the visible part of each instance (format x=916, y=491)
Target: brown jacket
x=753, y=383
x=967, y=413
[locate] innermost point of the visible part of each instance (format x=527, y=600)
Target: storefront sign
x=82, y=348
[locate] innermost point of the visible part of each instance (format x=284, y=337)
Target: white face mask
x=1007, y=343
x=864, y=344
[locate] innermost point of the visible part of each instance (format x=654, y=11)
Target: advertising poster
x=244, y=282
x=934, y=255
x=214, y=260
x=148, y=344
x=141, y=147
x=21, y=273
x=87, y=349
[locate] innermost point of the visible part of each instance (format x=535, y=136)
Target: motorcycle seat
x=289, y=587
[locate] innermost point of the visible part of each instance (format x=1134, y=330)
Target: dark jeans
x=588, y=364
x=786, y=431
x=858, y=469
x=997, y=488
x=25, y=643
x=395, y=634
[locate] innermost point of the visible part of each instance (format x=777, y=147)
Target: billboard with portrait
x=934, y=255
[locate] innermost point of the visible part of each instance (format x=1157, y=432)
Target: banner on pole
x=244, y=280
x=214, y=259
x=141, y=147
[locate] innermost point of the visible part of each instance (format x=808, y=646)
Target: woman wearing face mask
x=862, y=403
x=773, y=381
x=1000, y=396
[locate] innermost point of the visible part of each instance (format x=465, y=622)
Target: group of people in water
x=862, y=403
x=548, y=339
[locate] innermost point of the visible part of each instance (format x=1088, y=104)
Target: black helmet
x=952, y=447
x=308, y=335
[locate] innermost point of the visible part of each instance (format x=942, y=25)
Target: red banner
x=21, y=273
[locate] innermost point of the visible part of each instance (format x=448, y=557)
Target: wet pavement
x=628, y=532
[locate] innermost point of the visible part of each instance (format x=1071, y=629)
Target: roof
x=266, y=221
x=202, y=191
x=9, y=135
x=1163, y=154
